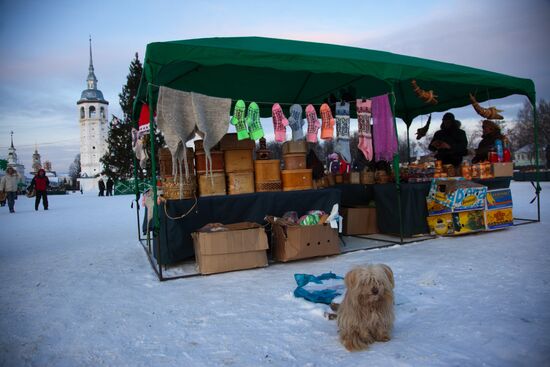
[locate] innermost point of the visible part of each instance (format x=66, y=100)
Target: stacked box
x=296, y=176
x=457, y=223
x=457, y=194
x=498, y=213
x=239, y=164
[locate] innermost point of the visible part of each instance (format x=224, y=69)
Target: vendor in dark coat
x=491, y=132
x=449, y=143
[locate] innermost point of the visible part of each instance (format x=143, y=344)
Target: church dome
x=92, y=95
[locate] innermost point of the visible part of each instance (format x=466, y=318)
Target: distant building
x=93, y=112
x=13, y=161
x=525, y=156
x=36, y=162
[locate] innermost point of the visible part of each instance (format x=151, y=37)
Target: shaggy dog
x=366, y=313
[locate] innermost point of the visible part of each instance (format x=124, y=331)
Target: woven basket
x=171, y=189
x=269, y=186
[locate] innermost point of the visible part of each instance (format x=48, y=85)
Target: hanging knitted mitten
x=363, y=120
x=238, y=120
x=296, y=122
x=313, y=124
x=253, y=121
x=342, y=131
x=279, y=122
x=327, y=131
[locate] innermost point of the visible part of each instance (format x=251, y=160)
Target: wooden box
x=240, y=183
x=297, y=179
x=238, y=161
x=171, y=189
x=217, y=162
x=355, y=178
x=200, y=148
x=292, y=147
x=295, y=161
x=268, y=175
x=165, y=162
x=210, y=185
x=231, y=142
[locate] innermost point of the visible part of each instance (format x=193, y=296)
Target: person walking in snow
x=101, y=187
x=8, y=185
x=110, y=184
x=40, y=183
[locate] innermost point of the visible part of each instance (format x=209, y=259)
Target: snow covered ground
x=77, y=290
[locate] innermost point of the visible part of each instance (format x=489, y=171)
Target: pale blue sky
x=44, y=48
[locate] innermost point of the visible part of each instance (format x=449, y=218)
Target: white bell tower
x=93, y=113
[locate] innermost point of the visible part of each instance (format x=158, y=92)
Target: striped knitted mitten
x=364, y=113
x=342, y=131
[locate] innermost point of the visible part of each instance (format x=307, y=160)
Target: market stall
x=278, y=72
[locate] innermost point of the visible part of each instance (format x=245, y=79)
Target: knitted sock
x=364, y=132
x=253, y=121
x=342, y=131
x=313, y=124
x=238, y=120
x=279, y=122
x=327, y=131
x=296, y=122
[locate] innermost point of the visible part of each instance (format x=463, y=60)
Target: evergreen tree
x=75, y=168
x=118, y=161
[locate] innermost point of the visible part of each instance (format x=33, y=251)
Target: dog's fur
x=366, y=313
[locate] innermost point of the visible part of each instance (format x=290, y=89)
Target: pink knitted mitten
x=313, y=124
x=327, y=130
x=279, y=122
x=363, y=120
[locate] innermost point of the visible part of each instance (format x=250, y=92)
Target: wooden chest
x=231, y=142
x=268, y=175
x=238, y=161
x=212, y=184
x=297, y=179
x=240, y=183
x=295, y=161
x=200, y=148
x=173, y=191
x=165, y=162
x=292, y=147
x=217, y=162
x=355, y=177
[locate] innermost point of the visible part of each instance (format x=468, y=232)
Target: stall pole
x=136, y=190
x=408, y=143
x=152, y=129
x=537, y=171
x=396, y=166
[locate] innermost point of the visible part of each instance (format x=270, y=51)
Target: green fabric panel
x=269, y=70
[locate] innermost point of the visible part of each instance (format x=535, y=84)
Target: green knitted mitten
x=253, y=121
x=238, y=120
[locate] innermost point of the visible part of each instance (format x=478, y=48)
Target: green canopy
x=267, y=70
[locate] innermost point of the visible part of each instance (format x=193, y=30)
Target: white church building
x=93, y=112
x=94, y=128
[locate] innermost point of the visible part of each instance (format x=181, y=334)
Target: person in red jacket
x=40, y=183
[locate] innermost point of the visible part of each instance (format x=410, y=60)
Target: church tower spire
x=92, y=80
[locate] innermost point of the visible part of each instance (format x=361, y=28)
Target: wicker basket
x=367, y=177
x=171, y=188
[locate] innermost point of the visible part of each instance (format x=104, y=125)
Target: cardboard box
x=459, y=195
x=359, y=220
x=243, y=246
x=499, y=218
x=504, y=169
x=434, y=208
x=499, y=199
x=457, y=223
x=302, y=242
